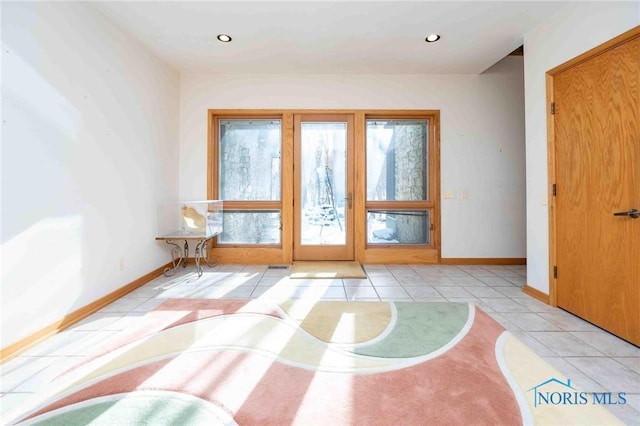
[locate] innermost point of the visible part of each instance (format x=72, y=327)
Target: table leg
x=178, y=258
x=186, y=253
x=201, y=255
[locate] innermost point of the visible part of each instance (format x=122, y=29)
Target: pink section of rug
x=174, y=312
x=462, y=386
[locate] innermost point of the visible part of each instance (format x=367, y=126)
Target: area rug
x=327, y=269
x=252, y=362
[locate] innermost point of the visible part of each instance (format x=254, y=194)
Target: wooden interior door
x=597, y=170
x=323, y=187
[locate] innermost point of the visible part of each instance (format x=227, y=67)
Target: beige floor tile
x=609, y=373
x=504, y=305
x=452, y=291
x=392, y=293
x=484, y=292
x=421, y=293
x=607, y=343
x=564, y=344
x=384, y=281
x=530, y=321
x=361, y=293
x=632, y=363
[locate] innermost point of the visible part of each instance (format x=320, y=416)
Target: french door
x=323, y=187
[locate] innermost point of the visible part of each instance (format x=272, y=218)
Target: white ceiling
x=344, y=37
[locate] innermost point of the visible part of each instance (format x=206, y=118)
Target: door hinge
x=555, y=272
x=553, y=107
x=553, y=189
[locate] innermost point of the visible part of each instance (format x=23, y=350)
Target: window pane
x=323, y=183
x=250, y=227
x=398, y=226
x=397, y=160
x=250, y=159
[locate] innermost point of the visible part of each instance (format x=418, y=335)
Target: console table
x=195, y=222
x=179, y=255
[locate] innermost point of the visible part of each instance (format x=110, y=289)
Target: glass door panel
x=324, y=196
x=323, y=183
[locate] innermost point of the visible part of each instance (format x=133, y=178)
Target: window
x=249, y=180
x=282, y=173
x=398, y=227
x=398, y=202
x=250, y=227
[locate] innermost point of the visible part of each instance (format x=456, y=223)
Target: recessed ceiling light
x=224, y=38
x=431, y=38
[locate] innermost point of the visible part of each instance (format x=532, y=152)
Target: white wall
x=482, y=138
x=574, y=30
x=89, y=147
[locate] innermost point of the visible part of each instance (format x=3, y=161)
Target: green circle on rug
x=419, y=329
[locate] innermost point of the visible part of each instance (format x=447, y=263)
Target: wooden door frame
x=284, y=253
x=349, y=119
x=552, y=146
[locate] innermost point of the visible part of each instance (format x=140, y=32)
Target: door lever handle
x=633, y=213
x=349, y=199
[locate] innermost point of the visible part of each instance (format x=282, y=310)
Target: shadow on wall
x=42, y=226
x=88, y=148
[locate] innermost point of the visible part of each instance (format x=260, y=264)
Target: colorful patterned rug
x=302, y=362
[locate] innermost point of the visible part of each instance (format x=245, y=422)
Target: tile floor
x=593, y=359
